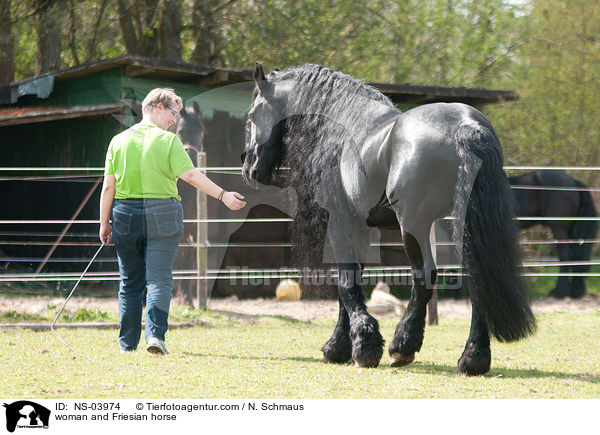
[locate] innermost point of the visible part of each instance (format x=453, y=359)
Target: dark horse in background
x=348, y=150
x=191, y=130
x=568, y=202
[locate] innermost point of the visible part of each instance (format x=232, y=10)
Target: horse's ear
x=259, y=73
x=259, y=77
x=196, y=108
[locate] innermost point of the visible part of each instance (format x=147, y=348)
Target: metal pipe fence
x=72, y=175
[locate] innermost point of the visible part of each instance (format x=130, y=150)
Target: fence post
x=201, y=242
x=432, y=306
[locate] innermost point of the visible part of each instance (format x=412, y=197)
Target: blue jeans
x=146, y=233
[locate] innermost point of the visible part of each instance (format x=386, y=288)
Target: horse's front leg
x=367, y=343
x=338, y=348
x=408, y=337
x=477, y=356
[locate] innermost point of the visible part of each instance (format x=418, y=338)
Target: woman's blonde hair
x=167, y=96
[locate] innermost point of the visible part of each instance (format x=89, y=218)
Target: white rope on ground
x=53, y=324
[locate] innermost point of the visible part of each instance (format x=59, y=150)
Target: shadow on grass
x=255, y=358
x=422, y=368
x=440, y=369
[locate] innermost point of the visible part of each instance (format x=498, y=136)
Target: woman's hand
x=105, y=233
x=233, y=200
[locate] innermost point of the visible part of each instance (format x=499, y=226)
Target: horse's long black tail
x=491, y=253
x=582, y=230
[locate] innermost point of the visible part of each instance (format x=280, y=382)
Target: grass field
x=280, y=358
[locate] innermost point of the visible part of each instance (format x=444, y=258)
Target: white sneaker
x=156, y=345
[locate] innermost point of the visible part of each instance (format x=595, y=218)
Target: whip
x=67, y=300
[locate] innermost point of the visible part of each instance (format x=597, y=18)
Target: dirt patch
x=301, y=310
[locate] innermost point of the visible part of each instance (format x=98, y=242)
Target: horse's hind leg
x=409, y=333
x=477, y=357
x=338, y=348
x=563, y=286
x=577, y=285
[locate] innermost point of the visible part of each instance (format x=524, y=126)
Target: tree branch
x=72, y=31
x=92, y=43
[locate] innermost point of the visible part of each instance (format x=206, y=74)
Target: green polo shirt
x=146, y=160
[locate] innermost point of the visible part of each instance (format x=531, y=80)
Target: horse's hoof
x=365, y=366
x=558, y=293
x=338, y=350
x=475, y=360
x=399, y=360
x=367, y=342
x=577, y=293
x=473, y=370
x=342, y=360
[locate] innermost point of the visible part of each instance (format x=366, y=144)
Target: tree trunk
x=49, y=30
x=7, y=61
x=204, y=32
x=72, y=32
x=127, y=29
x=169, y=42
x=92, y=46
x=147, y=26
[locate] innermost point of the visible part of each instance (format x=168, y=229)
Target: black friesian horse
x=349, y=150
x=568, y=202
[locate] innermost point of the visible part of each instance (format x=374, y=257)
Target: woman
x=140, y=191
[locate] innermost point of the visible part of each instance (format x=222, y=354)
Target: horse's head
x=190, y=128
x=265, y=130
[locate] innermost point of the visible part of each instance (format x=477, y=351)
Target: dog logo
x=26, y=414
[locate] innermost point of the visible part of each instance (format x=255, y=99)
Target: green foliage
x=443, y=42
x=549, y=52
x=86, y=315
x=24, y=49
x=556, y=75
x=16, y=317
x=101, y=37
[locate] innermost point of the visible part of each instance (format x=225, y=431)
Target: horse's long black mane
x=321, y=90
x=326, y=112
